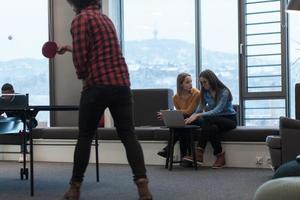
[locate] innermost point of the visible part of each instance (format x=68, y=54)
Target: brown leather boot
x=220, y=161
x=74, y=191
x=199, y=156
x=142, y=185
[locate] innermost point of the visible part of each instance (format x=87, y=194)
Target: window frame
x=243, y=91
x=264, y=95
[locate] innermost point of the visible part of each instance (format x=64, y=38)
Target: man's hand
x=63, y=49
x=192, y=118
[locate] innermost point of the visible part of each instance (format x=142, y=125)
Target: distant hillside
x=152, y=63
x=27, y=75
x=156, y=63
x=158, y=52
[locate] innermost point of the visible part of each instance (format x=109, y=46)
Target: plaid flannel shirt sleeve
x=80, y=36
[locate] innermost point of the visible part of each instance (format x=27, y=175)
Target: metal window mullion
x=198, y=37
x=267, y=1
x=263, y=23
x=51, y=62
x=270, y=65
x=242, y=60
x=263, y=44
x=265, y=86
x=284, y=56
x=263, y=95
x=263, y=108
x=264, y=76
x=266, y=33
x=263, y=12
x=262, y=118
x=259, y=55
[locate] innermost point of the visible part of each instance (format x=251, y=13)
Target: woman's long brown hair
x=215, y=84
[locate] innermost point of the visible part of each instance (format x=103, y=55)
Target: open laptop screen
x=173, y=118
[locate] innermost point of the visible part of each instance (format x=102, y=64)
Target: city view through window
x=159, y=42
x=294, y=53
x=21, y=62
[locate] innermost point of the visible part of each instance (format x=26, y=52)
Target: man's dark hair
x=7, y=87
x=81, y=4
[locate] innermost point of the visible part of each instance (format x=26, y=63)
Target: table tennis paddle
x=49, y=49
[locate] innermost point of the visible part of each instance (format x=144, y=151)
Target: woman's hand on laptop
x=192, y=118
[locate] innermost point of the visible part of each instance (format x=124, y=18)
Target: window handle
x=241, y=48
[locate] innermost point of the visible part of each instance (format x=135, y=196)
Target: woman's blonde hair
x=180, y=79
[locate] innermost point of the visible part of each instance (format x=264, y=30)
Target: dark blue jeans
x=93, y=102
x=212, y=127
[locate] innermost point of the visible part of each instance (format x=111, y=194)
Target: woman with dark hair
x=100, y=65
x=186, y=100
x=214, y=114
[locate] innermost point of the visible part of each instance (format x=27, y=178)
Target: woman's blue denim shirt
x=222, y=107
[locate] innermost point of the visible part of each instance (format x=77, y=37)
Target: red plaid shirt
x=96, y=51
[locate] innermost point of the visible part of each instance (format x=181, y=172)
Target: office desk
x=27, y=115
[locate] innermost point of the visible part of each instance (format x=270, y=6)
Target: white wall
x=66, y=86
x=238, y=154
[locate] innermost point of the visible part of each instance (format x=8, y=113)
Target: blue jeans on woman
x=212, y=127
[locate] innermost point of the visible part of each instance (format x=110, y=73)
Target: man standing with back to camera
x=100, y=65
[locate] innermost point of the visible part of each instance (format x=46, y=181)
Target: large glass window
x=24, y=29
x=219, y=38
x=263, y=63
x=263, y=112
x=246, y=51
x=114, y=12
x=159, y=40
x=294, y=52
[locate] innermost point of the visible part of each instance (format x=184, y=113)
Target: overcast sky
x=175, y=19
x=27, y=22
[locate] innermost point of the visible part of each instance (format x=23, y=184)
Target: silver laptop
x=173, y=118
